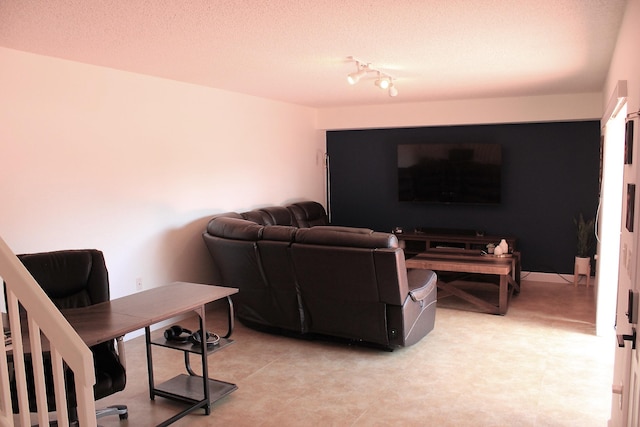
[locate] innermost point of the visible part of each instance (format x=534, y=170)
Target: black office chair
x=72, y=279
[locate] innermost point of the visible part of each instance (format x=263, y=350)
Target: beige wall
x=625, y=64
x=582, y=106
x=135, y=165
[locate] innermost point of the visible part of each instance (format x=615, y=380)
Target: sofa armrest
x=421, y=283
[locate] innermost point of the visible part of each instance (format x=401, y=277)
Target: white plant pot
x=582, y=266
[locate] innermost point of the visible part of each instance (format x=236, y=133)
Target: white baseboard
x=535, y=276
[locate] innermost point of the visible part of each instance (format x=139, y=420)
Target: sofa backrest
x=278, y=215
x=284, y=294
x=344, y=279
x=270, y=215
x=231, y=227
x=301, y=214
x=254, y=259
x=232, y=243
x=256, y=216
x=346, y=236
x=308, y=214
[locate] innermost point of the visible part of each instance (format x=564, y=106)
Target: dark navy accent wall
x=550, y=173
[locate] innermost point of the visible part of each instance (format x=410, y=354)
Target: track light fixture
x=383, y=80
x=393, y=91
x=354, y=78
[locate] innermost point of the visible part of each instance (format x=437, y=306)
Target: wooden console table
x=112, y=319
x=416, y=242
x=473, y=262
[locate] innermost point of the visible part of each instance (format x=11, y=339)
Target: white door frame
x=609, y=215
x=625, y=401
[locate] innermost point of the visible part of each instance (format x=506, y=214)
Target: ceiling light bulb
x=383, y=83
x=392, y=90
x=353, y=78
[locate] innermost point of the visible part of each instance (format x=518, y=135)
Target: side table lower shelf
x=188, y=388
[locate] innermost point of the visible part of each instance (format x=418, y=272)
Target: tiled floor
x=540, y=365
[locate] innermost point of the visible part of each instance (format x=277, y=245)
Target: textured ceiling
x=296, y=50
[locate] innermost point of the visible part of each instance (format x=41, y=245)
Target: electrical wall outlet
x=139, y=284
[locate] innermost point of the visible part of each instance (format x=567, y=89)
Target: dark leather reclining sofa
x=298, y=274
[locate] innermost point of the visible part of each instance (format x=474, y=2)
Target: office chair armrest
x=121, y=355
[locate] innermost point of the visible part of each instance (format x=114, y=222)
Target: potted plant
x=584, y=244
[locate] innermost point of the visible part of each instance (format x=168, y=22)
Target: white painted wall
x=134, y=165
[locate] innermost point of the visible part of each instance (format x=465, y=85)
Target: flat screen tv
x=467, y=173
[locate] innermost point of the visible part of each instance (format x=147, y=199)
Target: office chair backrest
x=71, y=278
